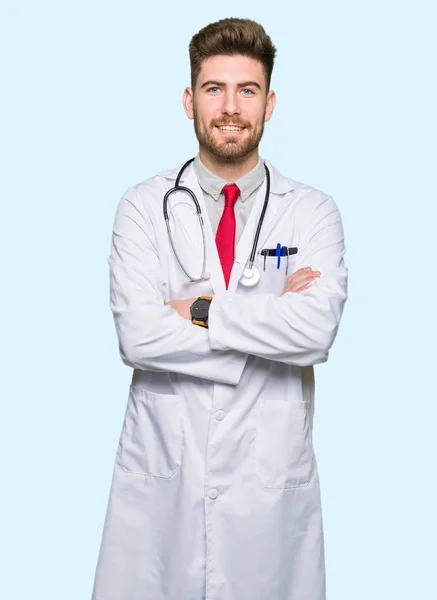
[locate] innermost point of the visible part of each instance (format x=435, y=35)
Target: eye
x=247, y=92
x=213, y=89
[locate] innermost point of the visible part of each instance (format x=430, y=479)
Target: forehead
x=231, y=70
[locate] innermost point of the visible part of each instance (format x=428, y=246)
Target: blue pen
x=278, y=254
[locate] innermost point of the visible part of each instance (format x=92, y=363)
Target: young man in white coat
x=215, y=492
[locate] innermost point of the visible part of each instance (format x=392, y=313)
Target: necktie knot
x=231, y=193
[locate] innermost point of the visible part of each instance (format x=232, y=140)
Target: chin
x=229, y=155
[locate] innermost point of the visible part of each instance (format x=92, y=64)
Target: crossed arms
x=296, y=328
x=299, y=281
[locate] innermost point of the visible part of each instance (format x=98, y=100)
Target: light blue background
x=91, y=104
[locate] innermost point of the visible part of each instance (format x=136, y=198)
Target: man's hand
x=182, y=307
x=301, y=280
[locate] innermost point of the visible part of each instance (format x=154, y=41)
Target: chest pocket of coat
x=151, y=439
x=284, y=452
x=273, y=279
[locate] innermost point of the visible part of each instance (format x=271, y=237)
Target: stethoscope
x=251, y=274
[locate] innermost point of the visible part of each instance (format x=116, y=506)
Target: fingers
x=304, y=271
x=303, y=276
x=301, y=280
x=304, y=287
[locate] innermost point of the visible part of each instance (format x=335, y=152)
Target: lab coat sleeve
x=295, y=328
x=153, y=336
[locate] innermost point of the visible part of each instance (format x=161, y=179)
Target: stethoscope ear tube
x=181, y=170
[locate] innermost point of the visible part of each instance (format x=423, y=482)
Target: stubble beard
x=231, y=150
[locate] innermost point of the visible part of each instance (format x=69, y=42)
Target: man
x=215, y=493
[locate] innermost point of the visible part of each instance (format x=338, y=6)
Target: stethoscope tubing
x=180, y=188
x=261, y=219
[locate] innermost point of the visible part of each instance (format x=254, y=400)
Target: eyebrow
x=223, y=84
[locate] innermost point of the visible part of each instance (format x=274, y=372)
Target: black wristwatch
x=200, y=310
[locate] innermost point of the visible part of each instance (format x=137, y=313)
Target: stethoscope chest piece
x=251, y=276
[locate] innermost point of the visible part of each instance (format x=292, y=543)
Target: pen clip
x=284, y=252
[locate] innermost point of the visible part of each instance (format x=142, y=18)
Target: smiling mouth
x=230, y=128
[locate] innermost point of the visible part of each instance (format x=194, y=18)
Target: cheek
x=255, y=114
x=208, y=112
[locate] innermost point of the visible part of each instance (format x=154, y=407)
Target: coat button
x=213, y=494
x=220, y=415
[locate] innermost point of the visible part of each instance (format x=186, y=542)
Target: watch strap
x=201, y=323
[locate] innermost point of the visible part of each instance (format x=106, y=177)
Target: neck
x=229, y=171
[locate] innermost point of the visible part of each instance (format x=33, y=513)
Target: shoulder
x=161, y=180
x=151, y=191
x=281, y=184
x=308, y=203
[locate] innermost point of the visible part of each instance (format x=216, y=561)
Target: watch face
x=199, y=309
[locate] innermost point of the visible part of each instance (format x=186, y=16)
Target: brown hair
x=232, y=36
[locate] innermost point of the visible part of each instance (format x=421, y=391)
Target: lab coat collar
x=278, y=183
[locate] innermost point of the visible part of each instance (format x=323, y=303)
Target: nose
x=230, y=103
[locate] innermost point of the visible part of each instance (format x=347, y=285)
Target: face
x=229, y=106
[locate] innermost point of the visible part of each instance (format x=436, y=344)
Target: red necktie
x=225, y=236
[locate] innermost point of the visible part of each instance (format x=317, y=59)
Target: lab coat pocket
x=284, y=452
x=273, y=280
x=151, y=439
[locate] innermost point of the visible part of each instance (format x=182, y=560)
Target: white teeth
x=229, y=128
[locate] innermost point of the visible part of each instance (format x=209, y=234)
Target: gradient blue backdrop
x=91, y=104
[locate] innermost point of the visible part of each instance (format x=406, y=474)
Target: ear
x=270, y=105
x=188, y=100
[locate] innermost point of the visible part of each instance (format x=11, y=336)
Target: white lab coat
x=215, y=489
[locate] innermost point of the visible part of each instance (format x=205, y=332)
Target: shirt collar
x=278, y=184
x=213, y=184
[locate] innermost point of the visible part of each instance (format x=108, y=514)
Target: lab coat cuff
x=215, y=326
